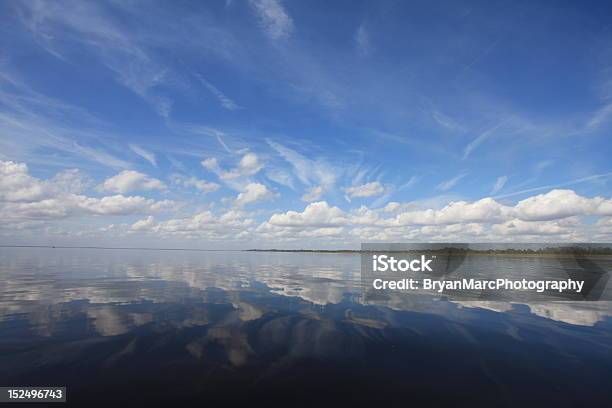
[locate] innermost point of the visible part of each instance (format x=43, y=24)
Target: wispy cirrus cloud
x=145, y=154
x=450, y=183
x=499, y=184
x=273, y=18
x=225, y=101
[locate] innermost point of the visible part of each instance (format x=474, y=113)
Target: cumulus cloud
x=232, y=224
x=484, y=219
x=193, y=182
x=520, y=227
x=27, y=202
x=23, y=197
x=365, y=190
x=253, y=192
x=131, y=180
x=17, y=185
x=484, y=210
x=392, y=207
x=560, y=204
x=144, y=224
x=249, y=165
x=319, y=214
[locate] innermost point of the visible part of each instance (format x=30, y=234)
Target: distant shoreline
x=556, y=251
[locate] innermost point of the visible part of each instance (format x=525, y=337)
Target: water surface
x=288, y=328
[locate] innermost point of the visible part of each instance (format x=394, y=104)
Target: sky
x=304, y=124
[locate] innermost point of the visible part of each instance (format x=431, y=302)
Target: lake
x=229, y=328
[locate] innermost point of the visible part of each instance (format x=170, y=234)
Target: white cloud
x=520, y=227
x=314, y=193
x=17, y=185
x=249, y=165
x=280, y=177
x=145, y=154
x=225, y=102
x=229, y=225
x=120, y=205
x=201, y=185
x=480, y=139
x=210, y=164
x=131, y=180
x=238, y=177
x=484, y=210
x=23, y=197
x=318, y=214
x=273, y=18
x=253, y=192
x=499, y=184
x=600, y=117
x=560, y=204
x=392, y=207
x=144, y=224
x=309, y=172
x=448, y=184
x=365, y=190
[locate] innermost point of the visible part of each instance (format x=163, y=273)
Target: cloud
x=200, y=185
x=309, y=172
x=26, y=198
x=145, y=154
x=362, y=41
x=600, y=117
x=484, y=210
x=319, y=214
x=144, y=224
x=365, y=190
x=17, y=185
x=590, y=178
x=280, y=177
x=131, y=180
x=480, y=139
x=448, y=184
x=499, y=184
x=210, y=164
x=253, y=192
x=249, y=165
x=273, y=18
x=313, y=194
x=204, y=224
x=520, y=227
x=120, y=50
x=121, y=205
x=392, y=207
x=560, y=204
x=225, y=102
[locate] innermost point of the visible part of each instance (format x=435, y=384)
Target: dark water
x=234, y=328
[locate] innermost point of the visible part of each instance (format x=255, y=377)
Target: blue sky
x=303, y=123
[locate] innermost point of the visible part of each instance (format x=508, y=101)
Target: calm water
x=220, y=328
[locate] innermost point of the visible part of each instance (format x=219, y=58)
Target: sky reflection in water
x=205, y=325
